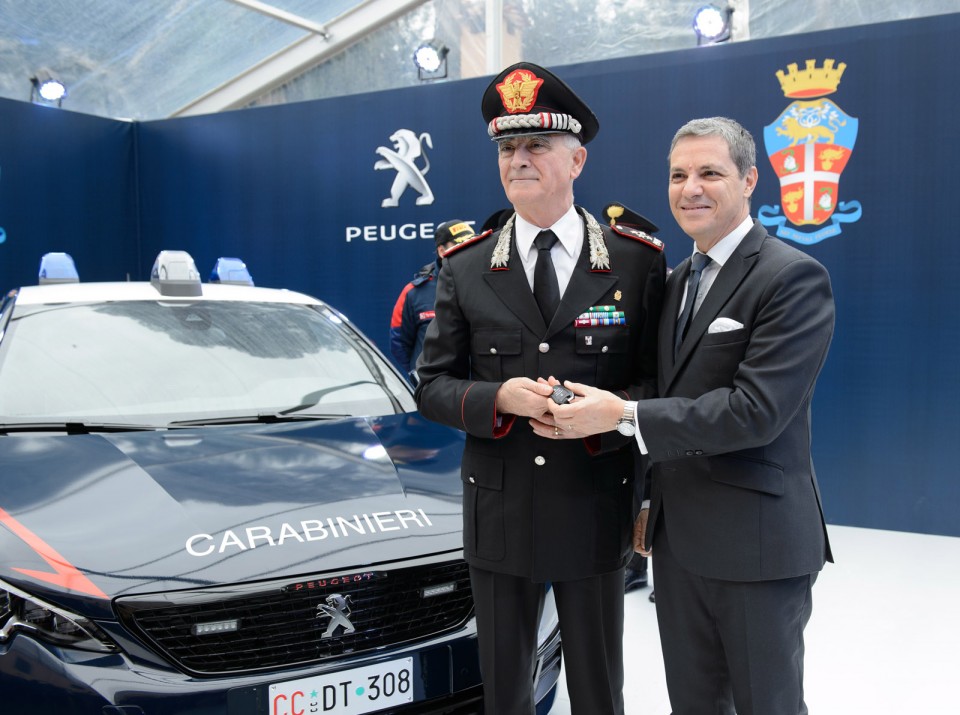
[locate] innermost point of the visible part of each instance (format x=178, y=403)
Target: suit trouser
x=730, y=646
x=590, y=611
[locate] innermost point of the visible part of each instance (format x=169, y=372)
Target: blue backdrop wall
x=301, y=192
x=67, y=183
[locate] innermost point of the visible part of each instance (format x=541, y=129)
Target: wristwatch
x=626, y=425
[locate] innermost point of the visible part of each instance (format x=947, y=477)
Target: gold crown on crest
x=812, y=81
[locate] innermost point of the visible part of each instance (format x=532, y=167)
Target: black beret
x=618, y=213
x=528, y=99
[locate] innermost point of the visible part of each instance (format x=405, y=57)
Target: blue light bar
x=58, y=268
x=232, y=271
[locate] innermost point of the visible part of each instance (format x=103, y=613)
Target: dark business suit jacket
x=730, y=437
x=533, y=507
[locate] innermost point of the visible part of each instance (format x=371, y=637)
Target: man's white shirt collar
x=728, y=244
x=569, y=230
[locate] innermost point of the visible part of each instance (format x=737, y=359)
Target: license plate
x=347, y=692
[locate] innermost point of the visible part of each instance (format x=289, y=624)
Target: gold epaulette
x=637, y=235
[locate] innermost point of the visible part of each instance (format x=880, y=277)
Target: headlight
x=26, y=614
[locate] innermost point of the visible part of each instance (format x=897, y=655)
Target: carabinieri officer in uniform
x=551, y=294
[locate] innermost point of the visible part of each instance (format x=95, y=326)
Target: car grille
x=279, y=624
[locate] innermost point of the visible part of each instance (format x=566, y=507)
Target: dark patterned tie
x=698, y=262
x=546, y=288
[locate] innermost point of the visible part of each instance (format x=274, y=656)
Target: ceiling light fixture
x=712, y=24
x=46, y=89
x=431, y=60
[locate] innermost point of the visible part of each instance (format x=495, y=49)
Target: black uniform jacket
x=533, y=507
x=730, y=437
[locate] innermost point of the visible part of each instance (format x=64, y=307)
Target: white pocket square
x=723, y=325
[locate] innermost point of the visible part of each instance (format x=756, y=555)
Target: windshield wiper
x=262, y=418
x=73, y=427
x=312, y=399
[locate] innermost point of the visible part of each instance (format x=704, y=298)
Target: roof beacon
x=232, y=271
x=174, y=273
x=58, y=268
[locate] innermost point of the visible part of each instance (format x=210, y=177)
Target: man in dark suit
x=513, y=310
x=735, y=520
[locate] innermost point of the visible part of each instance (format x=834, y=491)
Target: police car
x=219, y=498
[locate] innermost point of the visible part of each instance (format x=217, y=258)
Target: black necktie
x=546, y=288
x=698, y=262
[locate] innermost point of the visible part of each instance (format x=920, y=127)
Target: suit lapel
x=671, y=309
x=728, y=280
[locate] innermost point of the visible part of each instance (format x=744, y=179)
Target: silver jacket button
x=544, y=347
x=540, y=461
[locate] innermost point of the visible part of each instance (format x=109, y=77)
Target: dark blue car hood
x=104, y=515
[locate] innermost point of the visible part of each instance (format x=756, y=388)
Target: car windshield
x=158, y=362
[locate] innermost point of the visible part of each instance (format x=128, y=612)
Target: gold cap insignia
x=518, y=91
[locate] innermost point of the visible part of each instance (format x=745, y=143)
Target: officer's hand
x=546, y=426
x=523, y=397
x=592, y=411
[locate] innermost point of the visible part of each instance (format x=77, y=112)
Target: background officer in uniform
x=414, y=308
x=514, y=309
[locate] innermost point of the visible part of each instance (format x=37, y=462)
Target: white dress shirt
x=565, y=252
x=719, y=255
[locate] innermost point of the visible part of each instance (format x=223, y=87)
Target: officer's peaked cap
x=528, y=99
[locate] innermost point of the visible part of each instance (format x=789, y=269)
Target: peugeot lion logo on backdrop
x=809, y=146
x=407, y=148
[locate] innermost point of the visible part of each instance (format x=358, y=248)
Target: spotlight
x=431, y=60
x=46, y=89
x=712, y=24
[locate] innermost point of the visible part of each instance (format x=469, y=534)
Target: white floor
x=884, y=636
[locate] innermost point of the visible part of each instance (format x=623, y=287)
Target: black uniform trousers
x=508, y=610
x=730, y=647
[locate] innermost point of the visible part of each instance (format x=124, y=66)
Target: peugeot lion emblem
x=407, y=148
x=337, y=608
